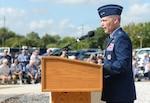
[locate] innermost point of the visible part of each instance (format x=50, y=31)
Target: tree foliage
x=138, y=33
x=33, y=36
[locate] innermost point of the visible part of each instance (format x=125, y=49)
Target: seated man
x=6, y=56
x=37, y=63
x=48, y=52
x=32, y=73
x=16, y=71
x=147, y=71
x=23, y=60
x=5, y=72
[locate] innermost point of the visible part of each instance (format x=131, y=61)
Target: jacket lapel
x=114, y=36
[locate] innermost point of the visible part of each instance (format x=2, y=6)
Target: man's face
x=108, y=24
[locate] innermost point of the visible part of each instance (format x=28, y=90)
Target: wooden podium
x=70, y=81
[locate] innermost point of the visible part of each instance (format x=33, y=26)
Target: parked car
x=56, y=51
x=10, y=51
x=92, y=49
x=140, y=54
x=87, y=55
x=142, y=51
x=72, y=54
x=41, y=50
x=75, y=54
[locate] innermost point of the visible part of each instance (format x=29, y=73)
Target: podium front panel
x=66, y=75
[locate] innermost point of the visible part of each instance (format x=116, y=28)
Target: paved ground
x=8, y=91
x=143, y=92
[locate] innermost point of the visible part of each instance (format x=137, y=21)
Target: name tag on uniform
x=110, y=47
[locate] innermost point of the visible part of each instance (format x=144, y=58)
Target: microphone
x=90, y=34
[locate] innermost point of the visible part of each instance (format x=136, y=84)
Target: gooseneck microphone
x=89, y=34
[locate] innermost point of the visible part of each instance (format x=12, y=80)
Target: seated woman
x=5, y=75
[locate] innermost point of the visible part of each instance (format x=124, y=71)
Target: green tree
x=3, y=35
x=33, y=36
x=49, y=39
x=67, y=41
x=99, y=40
x=139, y=33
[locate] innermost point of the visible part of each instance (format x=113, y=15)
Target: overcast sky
x=65, y=17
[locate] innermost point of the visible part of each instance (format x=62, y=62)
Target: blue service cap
x=110, y=9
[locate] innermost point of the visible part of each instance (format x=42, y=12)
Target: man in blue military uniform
x=118, y=81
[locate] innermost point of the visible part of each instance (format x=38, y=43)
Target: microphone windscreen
x=91, y=33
